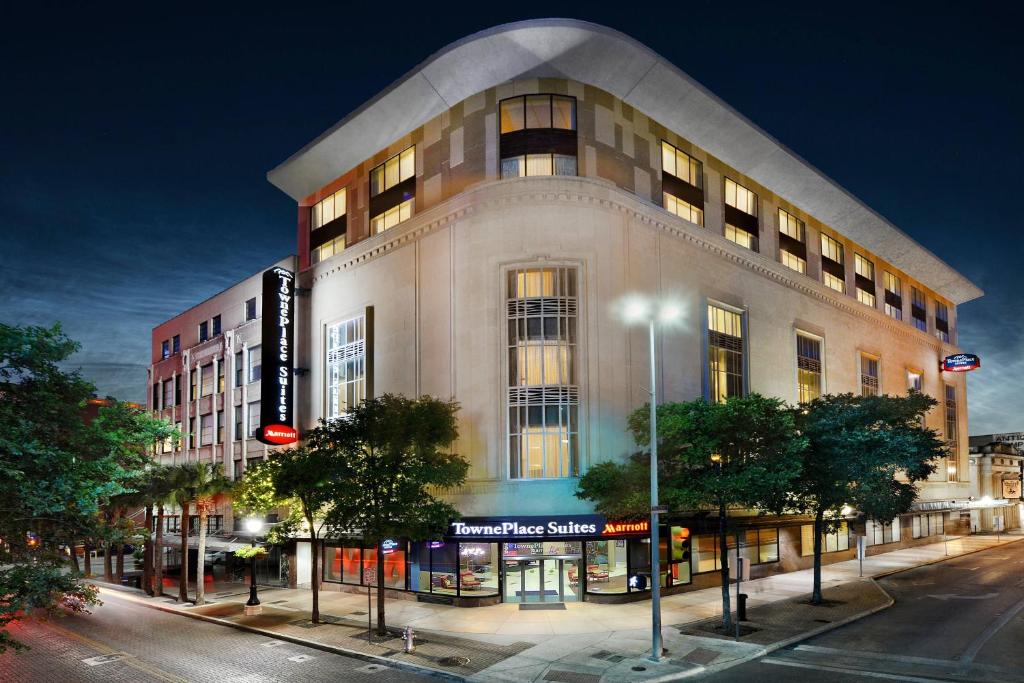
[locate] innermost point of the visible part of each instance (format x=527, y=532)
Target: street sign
x=660, y=509
x=369, y=576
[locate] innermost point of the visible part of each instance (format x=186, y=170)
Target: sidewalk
x=585, y=642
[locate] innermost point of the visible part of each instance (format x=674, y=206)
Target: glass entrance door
x=542, y=579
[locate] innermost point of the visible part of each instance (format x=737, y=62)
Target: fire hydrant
x=410, y=638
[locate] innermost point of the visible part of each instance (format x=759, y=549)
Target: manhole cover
x=639, y=668
x=454, y=661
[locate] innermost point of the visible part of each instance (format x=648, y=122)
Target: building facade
x=473, y=231
x=997, y=469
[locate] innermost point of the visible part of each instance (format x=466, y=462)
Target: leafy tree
x=711, y=456
x=295, y=479
x=212, y=487
x=28, y=587
x=866, y=452
x=388, y=457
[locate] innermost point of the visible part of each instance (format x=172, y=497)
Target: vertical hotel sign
x=276, y=393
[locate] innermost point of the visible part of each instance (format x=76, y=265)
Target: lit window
x=395, y=170
x=918, y=310
x=833, y=273
x=942, y=321
x=792, y=248
x=740, y=237
x=328, y=249
x=830, y=542
x=868, y=375
x=893, y=295
x=678, y=163
x=390, y=218
x=792, y=261
x=543, y=394
x=808, y=364
x=952, y=438
x=346, y=366
x=328, y=209
x=683, y=209
x=538, y=111
x=791, y=226
x=725, y=354
x=865, y=274
x=538, y=165
x=740, y=198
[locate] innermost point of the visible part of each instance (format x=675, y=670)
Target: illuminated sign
x=472, y=551
x=555, y=526
x=388, y=546
x=960, y=362
x=278, y=358
x=434, y=545
x=1011, y=488
x=642, y=527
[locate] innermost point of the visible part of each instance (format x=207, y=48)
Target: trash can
x=741, y=607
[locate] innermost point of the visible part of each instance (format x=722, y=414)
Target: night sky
x=134, y=142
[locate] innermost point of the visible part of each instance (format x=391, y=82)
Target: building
x=997, y=468
x=471, y=232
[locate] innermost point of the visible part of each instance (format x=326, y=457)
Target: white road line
x=906, y=659
x=975, y=647
x=854, y=672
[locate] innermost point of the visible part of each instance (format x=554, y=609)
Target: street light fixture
x=637, y=310
x=253, y=526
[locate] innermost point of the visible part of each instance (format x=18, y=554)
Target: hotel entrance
x=542, y=572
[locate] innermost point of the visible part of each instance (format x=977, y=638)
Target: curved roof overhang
x=614, y=62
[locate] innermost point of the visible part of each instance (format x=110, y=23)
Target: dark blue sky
x=134, y=141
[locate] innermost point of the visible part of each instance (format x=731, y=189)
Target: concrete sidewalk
x=585, y=642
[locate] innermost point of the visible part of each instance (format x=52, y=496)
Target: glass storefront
x=542, y=571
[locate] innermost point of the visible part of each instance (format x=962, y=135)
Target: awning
x=229, y=544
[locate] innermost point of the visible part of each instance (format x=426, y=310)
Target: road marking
x=953, y=596
x=128, y=660
x=372, y=668
x=906, y=659
x=273, y=643
x=301, y=658
x=104, y=659
x=975, y=647
x=855, y=672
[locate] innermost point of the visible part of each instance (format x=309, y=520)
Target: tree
x=866, y=452
x=295, y=479
x=211, y=488
x=184, y=480
x=388, y=458
x=711, y=456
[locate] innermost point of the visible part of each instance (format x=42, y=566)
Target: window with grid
x=255, y=363
x=740, y=197
x=741, y=223
x=893, y=295
x=831, y=542
x=538, y=165
x=952, y=434
x=543, y=392
x=682, y=181
x=168, y=393
x=918, y=309
x=392, y=192
x=337, y=245
x=346, y=366
x=833, y=268
x=678, y=163
x=725, y=354
x=942, y=321
x=868, y=375
x=808, y=367
x=538, y=136
x=683, y=209
x=879, y=533
x=327, y=209
x=206, y=380
x=398, y=168
x=206, y=429
x=865, y=277
x=792, y=245
x=253, y=411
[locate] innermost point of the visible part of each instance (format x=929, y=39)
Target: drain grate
x=457, y=660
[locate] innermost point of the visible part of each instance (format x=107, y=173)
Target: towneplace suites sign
x=276, y=394
x=541, y=527
x=960, y=362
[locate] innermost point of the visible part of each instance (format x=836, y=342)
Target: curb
x=945, y=558
x=355, y=654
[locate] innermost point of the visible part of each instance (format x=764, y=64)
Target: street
x=957, y=620
x=123, y=641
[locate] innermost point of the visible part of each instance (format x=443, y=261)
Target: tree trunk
x=314, y=579
x=201, y=557
x=382, y=628
x=74, y=556
x=87, y=560
x=147, y=553
x=723, y=554
x=183, y=583
x=158, y=552
x=816, y=592
x=119, y=567
x=108, y=564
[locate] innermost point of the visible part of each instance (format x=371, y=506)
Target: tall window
x=379, y=223
x=918, y=309
x=915, y=382
x=253, y=411
x=942, y=321
x=808, y=367
x=239, y=369
x=346, y=366
x=893, y=295
x=215, y=324
x=792, y=246
x=865, y=277
x=337, y=245
x=255, y=363
x=543, y=392
x=952, y=434
x=392, y=191
x=168, y=393
x=538, y=136
x=250, y=309
x=725, y=354
x=176, y=344
x=682, y=181
x=204, y=331
x=833, y=268
x=740, y=224
x=220, y=376
x=220, y=426
x=327, y=209
x=165, y=348
x=206, y=380
x=193, y=385
x=868, y=375
x=880, y=534
x=395, y=170
x=191, y=432
x=206, y=429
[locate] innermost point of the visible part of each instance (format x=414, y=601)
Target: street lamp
x=253, y=525
x=639, y=310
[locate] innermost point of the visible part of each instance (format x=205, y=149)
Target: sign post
x=862, y=548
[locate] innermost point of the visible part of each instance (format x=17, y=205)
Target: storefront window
x=679, y=567
x=830, y=542
x=444, y=563
x=369, y=565
x=394, y=567
x=606, y=566
x=639, y=563
x=332, y=564
x=705, y=555
x=478, y=568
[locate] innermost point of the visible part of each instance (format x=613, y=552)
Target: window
x=215, y=324
x=740, y=237
x=206, y=429
x=725, y=354
x=254, y=418
x=681, y=165
x=204, y=331
x=385, y=220
x=206, y=380
x=740, y=197
x=165, y=349
x=327, y=209
x=538, y=165
x=792, y=246
x=346, y=366
x=918, y=310
x=239, y=422
x=914, y=380
x=543, y=394
x=177, y=390
x=191, y=432
x=868, y=375
x=193, y=385
x=833, y=269
x=255, y=363
x=168, y=393
x=156, y=396
x=337, y=245
x=395, y=170
x=220, y=426
x=930, y=524
x=893, y=295
x=865, y=276
x=942, y=321
x=952, y=438
x=880, y=534
x=740, y=225
x=220, y=376
x=538, y=111
x=682, y=181
x=830, y=542
x=757, y=546
x=683, y=209
x=250, y=309
x=808, y=367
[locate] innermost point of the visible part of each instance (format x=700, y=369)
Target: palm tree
x=202, y=483
x=158, y=491
x=184, y=482
x=210, y=489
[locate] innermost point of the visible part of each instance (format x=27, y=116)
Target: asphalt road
x=136, y=643
x=959, y=620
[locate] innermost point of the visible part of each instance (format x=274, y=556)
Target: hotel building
x=471, y=232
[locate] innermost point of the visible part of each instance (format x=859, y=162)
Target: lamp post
x=253, y=525
x=636, y=311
